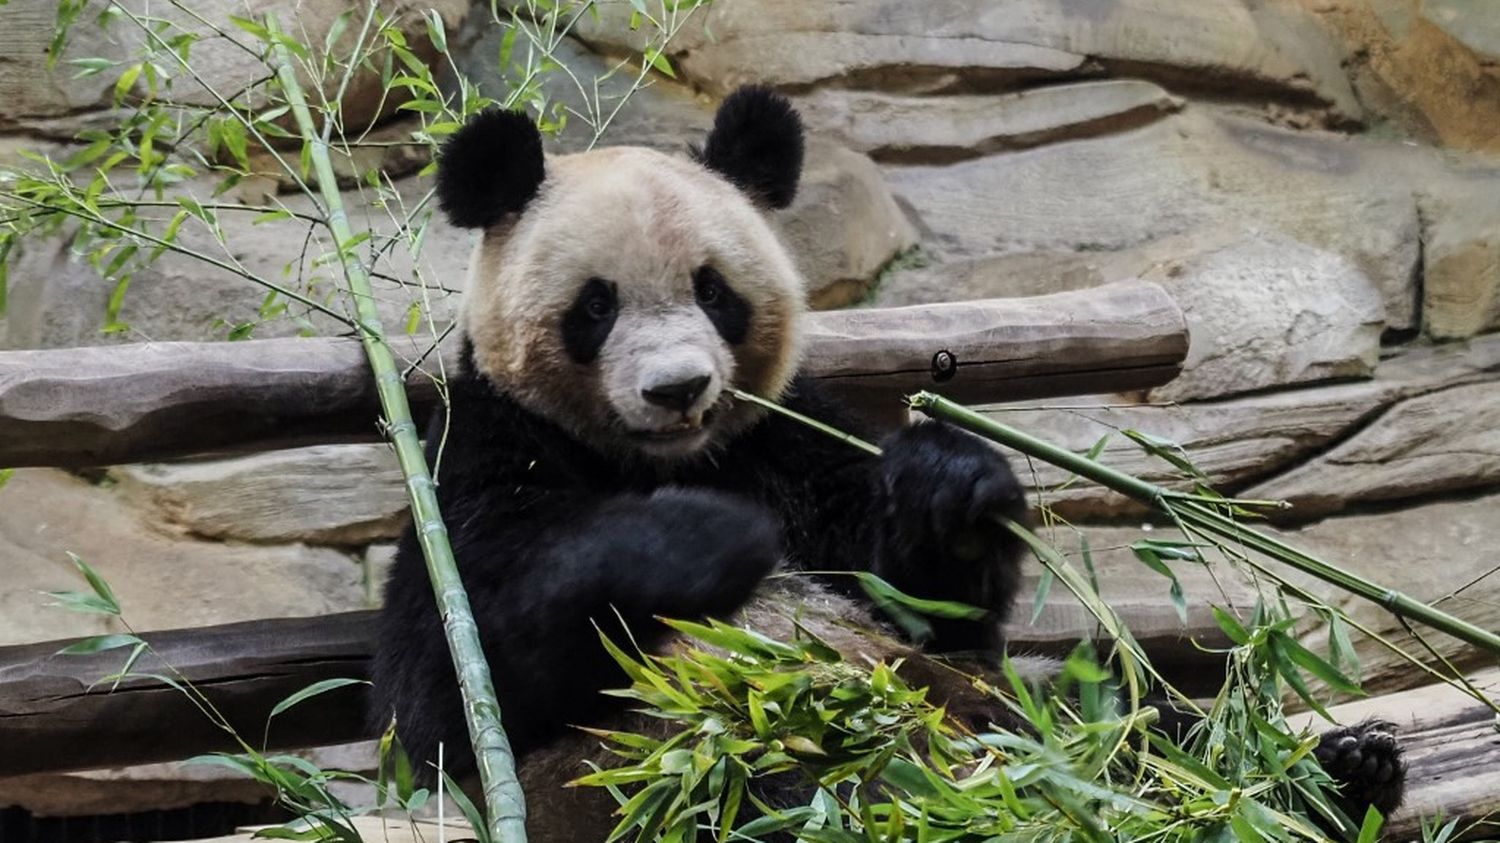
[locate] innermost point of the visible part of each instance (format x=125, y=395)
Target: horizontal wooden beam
x=55, y=716
x=1452, y=747
x=132, y=403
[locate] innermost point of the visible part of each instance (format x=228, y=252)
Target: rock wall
x=1315, y=181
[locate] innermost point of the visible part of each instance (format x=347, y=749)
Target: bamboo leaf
x=313, y=690
x=99, y=643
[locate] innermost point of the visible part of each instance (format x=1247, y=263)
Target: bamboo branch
x=1205, y=517
x=505, y=807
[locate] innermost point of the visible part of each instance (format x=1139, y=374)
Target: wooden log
x=1452, y=751
x=116, y=404
x=54, y=717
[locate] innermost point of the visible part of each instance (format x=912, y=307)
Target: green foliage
x=884, y=764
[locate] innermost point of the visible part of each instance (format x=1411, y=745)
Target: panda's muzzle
x=679, y=396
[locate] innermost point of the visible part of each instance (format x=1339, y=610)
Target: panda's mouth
x=683, y=431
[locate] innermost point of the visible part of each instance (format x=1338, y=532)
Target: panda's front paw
x=1365, y=761
x=944, y=491
x=944, y=488
x=699, y=552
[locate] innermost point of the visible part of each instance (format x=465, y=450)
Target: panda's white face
x=631, y=292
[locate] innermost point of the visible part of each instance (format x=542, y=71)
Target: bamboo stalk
x=505, y=807
x=1204, y=517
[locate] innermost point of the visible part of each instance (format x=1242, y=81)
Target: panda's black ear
x=756, y=143
x=489, y=168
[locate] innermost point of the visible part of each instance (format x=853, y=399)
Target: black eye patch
x=725, y=308
x=589, y=320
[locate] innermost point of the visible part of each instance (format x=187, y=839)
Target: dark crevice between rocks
x=941, y=80
x=1110, y=124
x=1418, y=285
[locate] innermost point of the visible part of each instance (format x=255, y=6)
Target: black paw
x=943, y=491
x=1365, y=761
x=942, y=482
x=694, y=552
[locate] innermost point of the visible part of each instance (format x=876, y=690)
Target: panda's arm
x=921, y=516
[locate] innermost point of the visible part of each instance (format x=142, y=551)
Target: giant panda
x=592, y=468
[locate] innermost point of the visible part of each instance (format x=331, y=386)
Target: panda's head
x=620, y=292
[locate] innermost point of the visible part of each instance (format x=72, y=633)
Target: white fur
x=645, y=221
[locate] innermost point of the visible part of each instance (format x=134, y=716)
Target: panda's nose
x=676, y=396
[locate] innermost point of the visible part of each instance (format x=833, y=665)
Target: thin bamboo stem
x=504, y=801
x=1204, y=517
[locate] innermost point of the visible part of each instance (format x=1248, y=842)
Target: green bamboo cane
x=1194, y=512
x=505, y=807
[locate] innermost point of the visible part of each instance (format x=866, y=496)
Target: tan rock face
x=1189, y=172
x=1428, y=66
x=1461, y=258
x=1447, y=440
x=918, y=129
x=1426, y=551
x=977, y=46
x=328, y=494
x=56, y=101
x=162, y=582
x=844, y=225
x=1265, y=445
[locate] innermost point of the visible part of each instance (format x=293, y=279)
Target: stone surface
x=57, y=102
x=1239, y=442
x=844, y=225
x=898, y=127
x=1268, y=312
x=162, y=582
x=1233, y=442
x=327, y=494
x=1461, y=259
x=1193, y=171
x=1429, y=68
x=1426, y=551
x=971, y=45
x=57, y=299
x=1440, y=442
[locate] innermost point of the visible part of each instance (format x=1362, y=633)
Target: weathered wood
x=1452, y=750
x=53, y=717
x=117, y=404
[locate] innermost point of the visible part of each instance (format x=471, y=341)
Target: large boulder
x=1194, y=170
x=1269, y=311
x=57, y=299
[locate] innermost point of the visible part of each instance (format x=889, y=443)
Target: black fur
x=727, y=309
x=1366, y=762
x=489, y=168
x=589, y=320
x=552, y=537
x=757, y=144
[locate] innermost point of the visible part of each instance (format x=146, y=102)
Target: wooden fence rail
x=55, y=715
x=132, y=403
